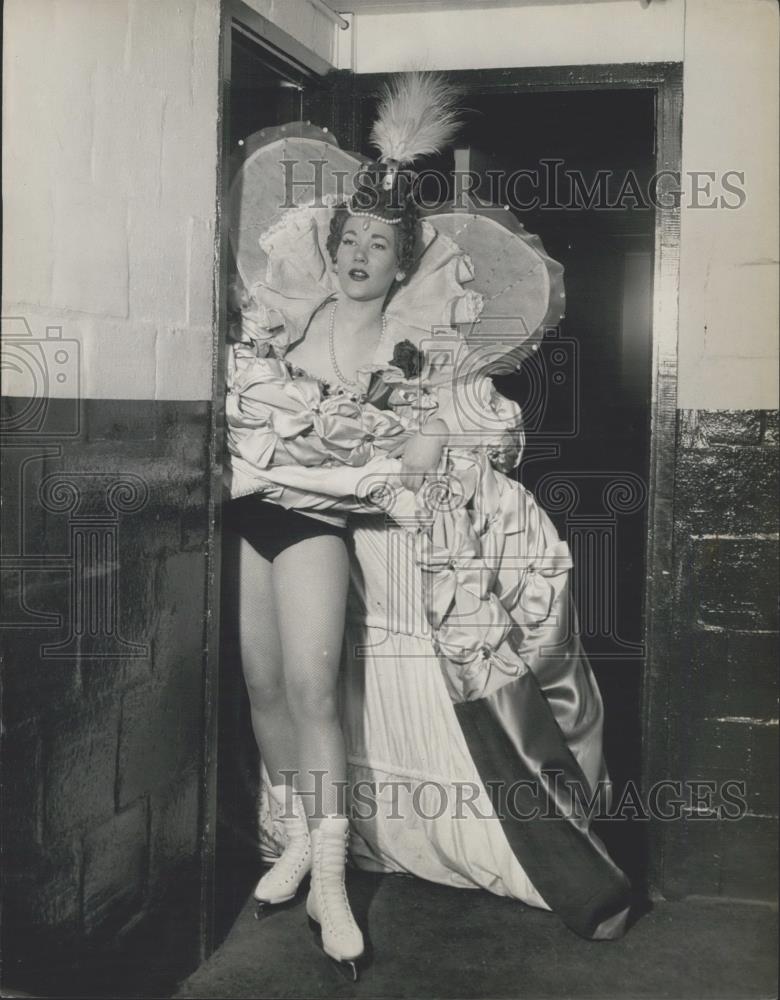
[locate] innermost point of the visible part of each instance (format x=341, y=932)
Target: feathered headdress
x=417, y=117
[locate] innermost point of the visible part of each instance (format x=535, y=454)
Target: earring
x=400, y=276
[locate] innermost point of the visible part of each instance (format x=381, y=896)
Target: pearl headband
x=373, y=215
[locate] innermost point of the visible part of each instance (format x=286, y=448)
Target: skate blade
x=264, y=908
x=348, y=968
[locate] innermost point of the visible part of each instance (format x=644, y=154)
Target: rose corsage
x=405, y=383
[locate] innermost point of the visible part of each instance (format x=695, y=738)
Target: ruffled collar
x=299, y=280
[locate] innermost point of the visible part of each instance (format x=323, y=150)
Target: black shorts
x=269, y=528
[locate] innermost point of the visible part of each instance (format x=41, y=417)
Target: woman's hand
x=422, y=453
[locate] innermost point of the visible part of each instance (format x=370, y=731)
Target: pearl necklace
x=332, y=345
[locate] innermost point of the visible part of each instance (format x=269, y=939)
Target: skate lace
x=293, y=857
x=333, y=891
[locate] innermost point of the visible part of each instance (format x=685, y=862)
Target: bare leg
x=310, y=585
x=261, y=661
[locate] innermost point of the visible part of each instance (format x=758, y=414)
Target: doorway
x=585, y=145
x=601, y=434
x=574, y=167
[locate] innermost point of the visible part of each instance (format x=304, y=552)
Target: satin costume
x=471, y=716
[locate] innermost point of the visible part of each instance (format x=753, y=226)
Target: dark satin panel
x=528, y=770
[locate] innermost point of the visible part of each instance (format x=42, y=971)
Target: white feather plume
x=417, y=117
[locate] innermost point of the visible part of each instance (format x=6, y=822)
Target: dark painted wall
x=105, y=521
x=722, y=681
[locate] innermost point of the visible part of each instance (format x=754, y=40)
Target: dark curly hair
x=406, y=234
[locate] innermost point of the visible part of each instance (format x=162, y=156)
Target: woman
x=487, y=688
x=294, y=566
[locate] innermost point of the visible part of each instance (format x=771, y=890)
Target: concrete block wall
x=102, y=762
x=723, y=688
x=110, y=195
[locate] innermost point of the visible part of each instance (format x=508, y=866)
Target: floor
x=432, y=941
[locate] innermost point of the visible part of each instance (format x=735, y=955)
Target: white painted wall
x=109, y=185
x=728, y=344
x=109, y=189
x=557, y=34
x=728, y=341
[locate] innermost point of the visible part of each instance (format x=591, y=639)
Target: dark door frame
x=341, y=99
x=303, y=64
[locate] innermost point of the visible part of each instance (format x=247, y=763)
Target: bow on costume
x=484, y=589
x=276, y=419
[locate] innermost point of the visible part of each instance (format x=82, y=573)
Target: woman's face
x=365, y=260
